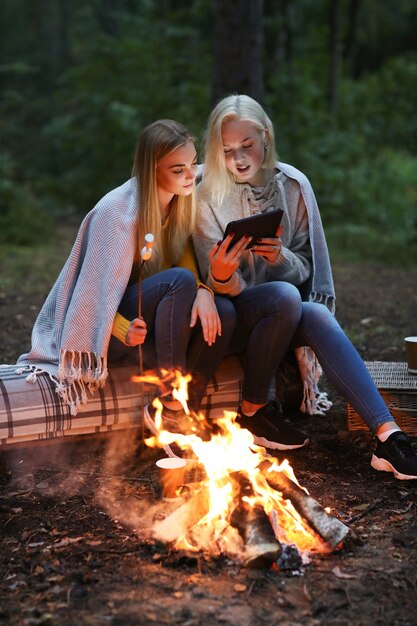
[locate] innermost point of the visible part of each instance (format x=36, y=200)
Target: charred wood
x=331, y=530
x=262, y=548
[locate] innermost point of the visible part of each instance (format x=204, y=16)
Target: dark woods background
x=80, y=78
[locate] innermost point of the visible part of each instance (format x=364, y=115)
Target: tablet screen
x=257, y=226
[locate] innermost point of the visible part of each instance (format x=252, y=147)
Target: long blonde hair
x=217, y=180
x=154, y=142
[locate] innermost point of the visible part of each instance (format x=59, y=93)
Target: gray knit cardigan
x=304, y=259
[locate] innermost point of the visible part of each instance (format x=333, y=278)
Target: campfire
x=237, y=500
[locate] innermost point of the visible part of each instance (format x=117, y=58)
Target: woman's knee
x=316, y=314
x=182, y=284
x=183, y=278
x=285, y=299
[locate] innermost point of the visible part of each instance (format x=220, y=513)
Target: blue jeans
x=271, y=319
x=167, y=299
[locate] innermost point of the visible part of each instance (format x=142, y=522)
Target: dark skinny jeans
x=271, y=319
x=167, y=299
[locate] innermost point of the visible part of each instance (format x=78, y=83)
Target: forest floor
x=67, y=559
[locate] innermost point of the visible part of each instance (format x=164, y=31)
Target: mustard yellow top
x=188, y=261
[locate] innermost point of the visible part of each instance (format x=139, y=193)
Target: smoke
x=48, y=468
x=125, y=494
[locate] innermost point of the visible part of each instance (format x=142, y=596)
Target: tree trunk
x=350, y=43
x=108, y=16
x=288, y=40
x=237, y=48
x=335, y=56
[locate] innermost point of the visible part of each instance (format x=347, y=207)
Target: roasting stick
x=145, y=255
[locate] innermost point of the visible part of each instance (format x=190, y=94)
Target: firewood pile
x=238, y=501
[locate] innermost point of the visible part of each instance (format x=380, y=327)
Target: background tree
x=79, y=79
x=238, y=48
x=335, y=56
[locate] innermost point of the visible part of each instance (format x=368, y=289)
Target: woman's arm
x=130, y=333
x=204, y=307
x=207, y=235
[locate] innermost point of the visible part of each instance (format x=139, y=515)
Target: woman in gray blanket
x=281, y=286
x=90, y=318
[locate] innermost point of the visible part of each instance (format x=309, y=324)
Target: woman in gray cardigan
x=281, y=286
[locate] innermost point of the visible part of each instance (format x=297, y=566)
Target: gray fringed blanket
x=321, y=284
x=71, y=335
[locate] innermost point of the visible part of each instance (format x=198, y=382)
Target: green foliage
x=363, y=163
x=23, y=221
x=382, y=219
x=382, y=105
x=78, y=85
x=35, y=268
x=77, y=141
x=117, y=86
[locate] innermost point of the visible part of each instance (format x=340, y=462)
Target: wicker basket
x=399, y=391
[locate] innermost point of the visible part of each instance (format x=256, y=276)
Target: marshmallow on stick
x=145, y=254
x=146, y=251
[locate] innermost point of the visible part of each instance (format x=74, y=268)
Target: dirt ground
x=65, y=560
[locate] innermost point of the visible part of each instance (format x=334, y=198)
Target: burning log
x=246, y=504
x=331, y=530
x=261, y=547
x=179, y=522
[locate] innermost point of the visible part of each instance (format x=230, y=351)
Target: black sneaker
x=396, y=455
x=270, y=430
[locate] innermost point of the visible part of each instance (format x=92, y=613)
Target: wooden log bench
x=31, y=412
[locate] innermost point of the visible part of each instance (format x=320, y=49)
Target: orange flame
x=231, y=452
